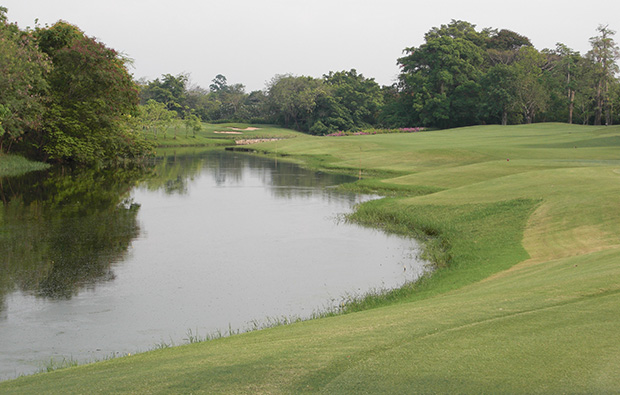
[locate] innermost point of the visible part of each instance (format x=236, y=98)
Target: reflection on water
x=61, y=232
x=95, y=264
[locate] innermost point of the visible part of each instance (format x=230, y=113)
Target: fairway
x=523, y=224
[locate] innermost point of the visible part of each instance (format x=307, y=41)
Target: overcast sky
x=250, y=41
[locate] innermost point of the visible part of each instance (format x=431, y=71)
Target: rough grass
x=525, y=231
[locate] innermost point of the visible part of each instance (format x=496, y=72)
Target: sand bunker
x=222, y=132
x=246, y=129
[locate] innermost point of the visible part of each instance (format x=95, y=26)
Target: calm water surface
x=95, y=265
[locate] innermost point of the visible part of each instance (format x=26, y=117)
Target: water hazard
x=95, y=264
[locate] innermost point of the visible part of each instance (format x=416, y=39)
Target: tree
x=92, y=98
x=192, y=122
x=566, y=67
x=253, y=107
x=500, y=101
x=396, y=110
x=452, y=55
x=603, y=54
x=219, y=84
x=292, y=100
x=356, y=99
x=530, y=93
x=231, y=100
x=504, y=45
x=170, y=90
x=23, y=83
x=204, y=103
x=155, y=116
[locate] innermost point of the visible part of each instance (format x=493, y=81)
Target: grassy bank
x=523, y=223
x=13, y=165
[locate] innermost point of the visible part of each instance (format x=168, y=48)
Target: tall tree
x=23, y=83
x=219, y=83
x=603, y=54
x=170, y=90
x=567, y=70
x=530, y=92
x=292, y=100
x=154, y=116
x=451, y=56
x=500, y=99
x=92, y=97
x=359, y=96
x=504, y=45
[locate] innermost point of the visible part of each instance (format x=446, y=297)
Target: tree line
x=67, y=97
x=459, y=76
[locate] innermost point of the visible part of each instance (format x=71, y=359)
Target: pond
x=95, y=265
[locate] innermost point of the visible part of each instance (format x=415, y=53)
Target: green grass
x=524, y=229
x=13, y=165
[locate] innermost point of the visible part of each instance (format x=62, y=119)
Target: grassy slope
x=528, y=300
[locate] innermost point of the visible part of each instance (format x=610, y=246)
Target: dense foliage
x=23, y=83
x=65, y=96
x=459, y=76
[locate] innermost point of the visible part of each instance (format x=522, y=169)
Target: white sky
x=250, y=41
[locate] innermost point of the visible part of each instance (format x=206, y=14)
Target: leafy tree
x=155, y=116
x=603, y=55
x=465, y=104
x=92, y=98
x=254, y=106
x=585, y=84
x=500, y=101
x=23, y=84
x=504, y=45
x=220, y=84
x=358, y=98
x=396, y=110
x=203, y=103
x=292, y=100
x=170, y=90
x=192, y=122
x=232, y=99
x=567, y=70
x=452, y=55
x=531, y=95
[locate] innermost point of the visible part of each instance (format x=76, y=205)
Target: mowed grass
x=524, y=225
x=177, y=135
